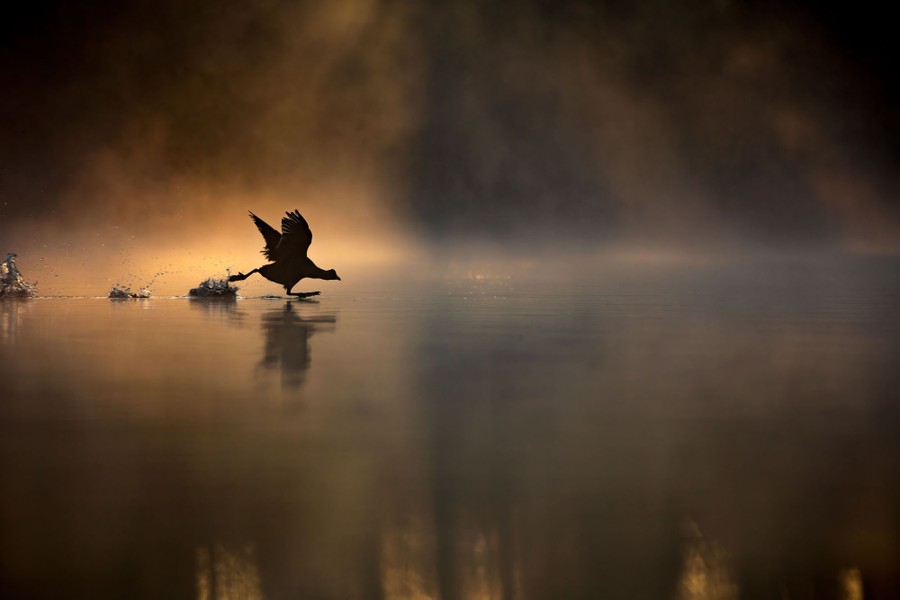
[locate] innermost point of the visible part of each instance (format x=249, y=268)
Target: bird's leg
x=300, y=294
x=241, y=276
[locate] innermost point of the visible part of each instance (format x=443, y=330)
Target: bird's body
x=289, y=274
x=287, y=251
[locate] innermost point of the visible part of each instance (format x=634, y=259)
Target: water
x=711, y=433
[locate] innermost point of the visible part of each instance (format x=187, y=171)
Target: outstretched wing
x=271, y=236
x=295, y=237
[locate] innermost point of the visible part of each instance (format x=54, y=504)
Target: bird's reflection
x=287, y=343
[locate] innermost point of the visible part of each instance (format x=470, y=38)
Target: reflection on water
x=685, y=437
x=219, y=308
x=11, y=312
x=223, y=573
x=287, y=344
x=705, y=574
x=851, y=584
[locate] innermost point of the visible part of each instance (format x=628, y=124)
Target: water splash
x=12, y=284
x=214, y=288
x=123, y=292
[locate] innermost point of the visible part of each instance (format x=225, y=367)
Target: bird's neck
x=318, y=273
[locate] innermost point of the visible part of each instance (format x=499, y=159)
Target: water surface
x=705, y=433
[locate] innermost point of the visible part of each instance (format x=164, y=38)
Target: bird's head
x=331, y=274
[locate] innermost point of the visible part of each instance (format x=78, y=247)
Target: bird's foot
x=238, y=277
x=303, y=294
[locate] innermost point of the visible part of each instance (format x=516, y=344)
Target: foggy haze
x=138, y=135
x=610, y=299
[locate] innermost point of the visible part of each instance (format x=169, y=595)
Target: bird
x=286, y=252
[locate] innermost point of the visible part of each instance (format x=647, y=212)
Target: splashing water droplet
x=214, y=288
x=12, y=285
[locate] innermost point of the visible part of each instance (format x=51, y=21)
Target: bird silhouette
x=287, y=253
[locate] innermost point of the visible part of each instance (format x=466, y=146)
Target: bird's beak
x=339, y=277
